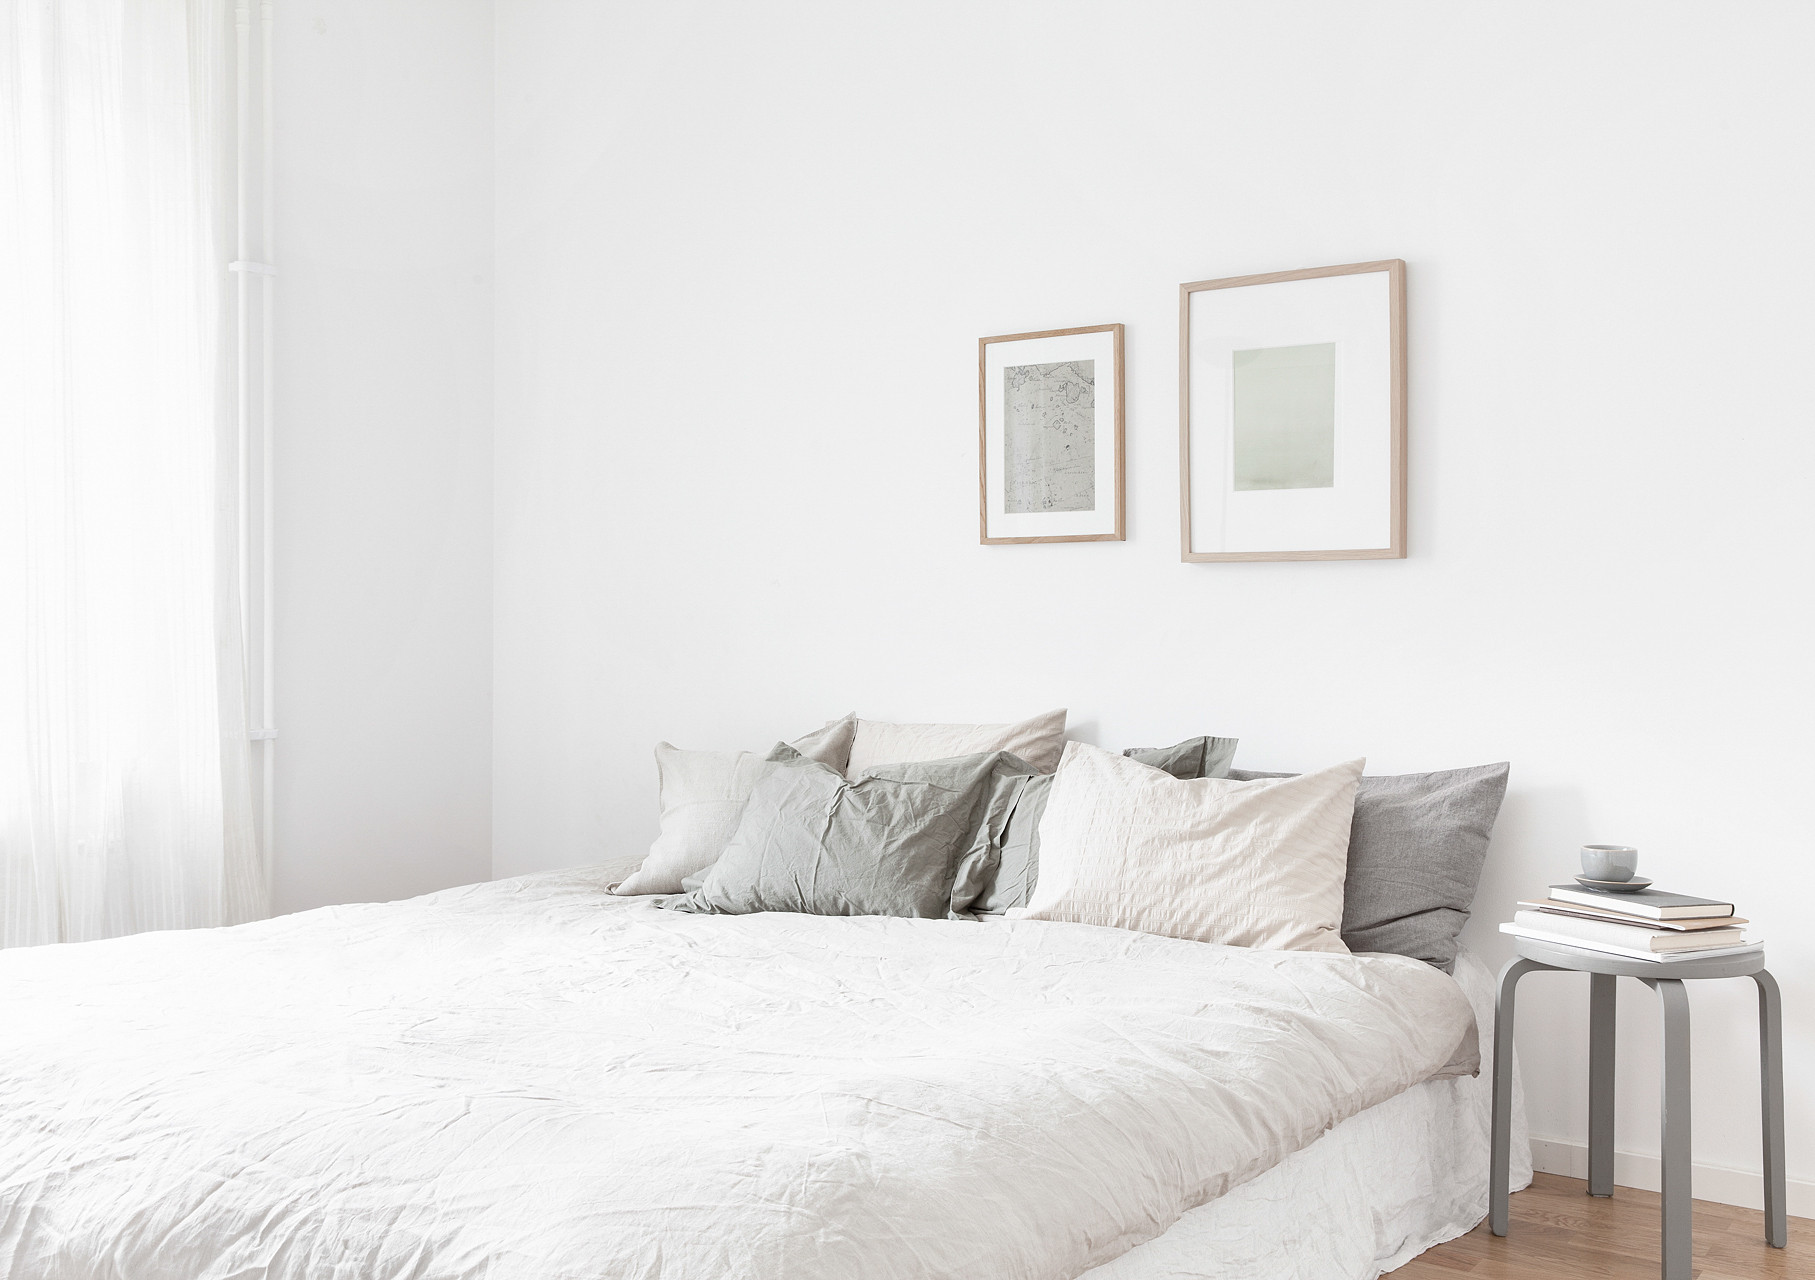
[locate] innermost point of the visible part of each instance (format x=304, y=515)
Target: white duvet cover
x=1370, y=1195
x=533, y=1079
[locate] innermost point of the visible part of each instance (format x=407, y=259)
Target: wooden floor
x=1560, y=1232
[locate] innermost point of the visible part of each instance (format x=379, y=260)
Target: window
x=134, y=317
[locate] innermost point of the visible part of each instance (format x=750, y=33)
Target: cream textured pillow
x=1251, y=864
x=703, y=794
x=1039, y=741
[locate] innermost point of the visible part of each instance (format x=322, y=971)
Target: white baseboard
x=1711, y=1182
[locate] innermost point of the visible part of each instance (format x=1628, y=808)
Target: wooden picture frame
x=1034, y=472
x=1325, y=422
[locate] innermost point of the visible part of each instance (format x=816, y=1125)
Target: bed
x=534, y=1078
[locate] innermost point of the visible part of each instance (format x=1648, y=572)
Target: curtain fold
x=125, y=800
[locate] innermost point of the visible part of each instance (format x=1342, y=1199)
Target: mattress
x=1367, y=1197
x=533, y=1078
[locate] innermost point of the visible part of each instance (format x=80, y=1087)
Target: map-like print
x=1049, y=434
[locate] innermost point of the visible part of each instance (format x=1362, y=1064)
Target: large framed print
x=1050, y=434
x=1292, y=415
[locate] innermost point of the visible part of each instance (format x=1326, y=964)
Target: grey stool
x=1666, y=979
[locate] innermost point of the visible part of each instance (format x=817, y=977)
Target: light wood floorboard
x=1560, y=1232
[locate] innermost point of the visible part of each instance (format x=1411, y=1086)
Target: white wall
x=383, y=505
x=744, y=256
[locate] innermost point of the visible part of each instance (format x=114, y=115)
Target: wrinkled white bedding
x=533, y=1079
x=1370, y=1195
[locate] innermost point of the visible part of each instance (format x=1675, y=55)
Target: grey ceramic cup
x=1609, y=861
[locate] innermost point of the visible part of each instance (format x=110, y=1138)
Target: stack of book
x=1647, y=925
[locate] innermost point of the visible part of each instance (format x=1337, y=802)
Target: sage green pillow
x=1017, y=860
x=1192, y=758
x=891, y=842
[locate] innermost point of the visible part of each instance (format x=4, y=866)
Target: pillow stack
x=703, y=794
x=1018, y=862
x=1417, y=843
x=888, y=843
x=1416, y=849
x=867, y=817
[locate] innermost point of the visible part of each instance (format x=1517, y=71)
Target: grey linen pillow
x=1416, y=848
x=1192, y=758
x=1023, y=802
x=890, y=843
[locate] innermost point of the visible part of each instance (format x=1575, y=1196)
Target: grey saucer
x=1615, y=886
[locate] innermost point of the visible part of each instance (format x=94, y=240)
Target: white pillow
x=703, y=795
x=1251, y=864
x=1039, y=741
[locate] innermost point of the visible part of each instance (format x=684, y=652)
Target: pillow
x=830, y=744
x=702, y=797
x=1249, y=864
x=886, y=844
x=1192, y=758
x=1038, y=741
x=1011, y=882
x=1415, y=856
x=1018, y=857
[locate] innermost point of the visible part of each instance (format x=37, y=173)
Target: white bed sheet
x=533, y=1079
x=1370, y=1195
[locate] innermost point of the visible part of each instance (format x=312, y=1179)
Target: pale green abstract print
x=1285, y=417
x=1049, y=437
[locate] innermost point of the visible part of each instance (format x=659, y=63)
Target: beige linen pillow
x=1251, y=864
x=703, y=794
x=1039, y=741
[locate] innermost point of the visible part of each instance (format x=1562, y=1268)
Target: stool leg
x=1770, y=1070
x=1603, y=993
x=1678, y=1228
x=1499, y=1169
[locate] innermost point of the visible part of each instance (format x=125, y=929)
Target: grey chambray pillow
x=890, y=843
x=1416, y=848
x=1023, y=803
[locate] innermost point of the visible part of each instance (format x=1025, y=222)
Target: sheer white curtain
x=125, y=797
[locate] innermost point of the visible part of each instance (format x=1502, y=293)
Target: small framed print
x=1051, y=435
x=1292, y=415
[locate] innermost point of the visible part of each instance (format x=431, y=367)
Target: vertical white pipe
x=255, y=557
x=242, y=25
x=267, y=432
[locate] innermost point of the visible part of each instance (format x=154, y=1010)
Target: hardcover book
x=1630, y=953
x=1635, y=935
x=1554, y=907
x=1654, y=904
